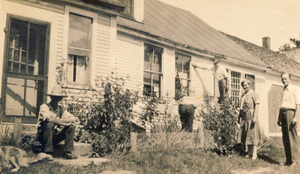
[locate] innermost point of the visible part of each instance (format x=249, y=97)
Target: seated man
x=55, y=124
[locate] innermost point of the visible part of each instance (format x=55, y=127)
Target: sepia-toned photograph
x=149, y=86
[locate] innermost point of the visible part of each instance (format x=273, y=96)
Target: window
x=182, y=75
x=252, y=80
x=235, y=86
x=128, y=7
x=79, y=49
x=25, y=68
x=152, y=70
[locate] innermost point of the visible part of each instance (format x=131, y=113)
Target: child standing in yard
x=249, y=133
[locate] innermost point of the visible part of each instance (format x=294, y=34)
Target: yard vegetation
x=178, y=161
x=104, y=120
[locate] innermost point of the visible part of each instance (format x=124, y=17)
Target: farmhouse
x=153, y=43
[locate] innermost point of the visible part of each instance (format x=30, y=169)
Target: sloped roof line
x=200, y=35
x=277, y=61
x=201, y=29
x=169, y=41
x=210, y=33
x=187, y=17
x=172, y=24
x=163, y=26
x=192, y=50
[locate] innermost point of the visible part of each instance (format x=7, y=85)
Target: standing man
x=288, y=117
x=222, y=77
x=56, y=124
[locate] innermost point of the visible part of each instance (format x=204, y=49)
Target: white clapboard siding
x=168, y=72
x=102, y=55
x=60, y=39
x=129, y=60
x=202, y=80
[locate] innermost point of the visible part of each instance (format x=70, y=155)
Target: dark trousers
x=223, y=90
x=289, y=135
x=186, y=113
x=50, y=137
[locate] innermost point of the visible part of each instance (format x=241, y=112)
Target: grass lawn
x=179, y=161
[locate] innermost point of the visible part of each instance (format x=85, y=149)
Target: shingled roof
x=180, y=26
x=275, y=60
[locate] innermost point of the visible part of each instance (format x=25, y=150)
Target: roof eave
x=180, y=46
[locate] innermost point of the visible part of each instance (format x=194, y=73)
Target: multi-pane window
x=182, y=75
x=235, y=86
x=128, y=7
x=152, y=70
x=25, y=48
x=79, y=48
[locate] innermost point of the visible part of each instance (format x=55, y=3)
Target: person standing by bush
x=288, y=117
x=249, y=133
x=186, y=110
x=56, y=124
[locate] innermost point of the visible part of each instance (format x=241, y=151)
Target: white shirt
x=290, y=97
x=221, y=73
x=187, y=100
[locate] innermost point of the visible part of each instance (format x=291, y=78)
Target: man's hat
x=216, y=60
x=57, y=91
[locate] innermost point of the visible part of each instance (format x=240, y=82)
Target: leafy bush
x=29, y=143
x=150, y=109
x=106, y=115
x=222, y=122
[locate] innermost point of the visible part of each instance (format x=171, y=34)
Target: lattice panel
x=274, y=100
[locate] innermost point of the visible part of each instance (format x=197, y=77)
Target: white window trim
x=94, y=16
x=190, y=71
x=162, y=92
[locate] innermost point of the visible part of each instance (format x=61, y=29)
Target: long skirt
x=249, y=132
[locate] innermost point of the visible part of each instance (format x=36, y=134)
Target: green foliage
x=294, y=43
x=150, y=109
x=106, y=114
x=6, y=136
x=61, y=74
x=222, y=122
x=167, y=124
x=29, y=143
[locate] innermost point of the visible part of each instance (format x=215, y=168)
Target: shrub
x=29, y=143
x=222, y=122
x=106, y=115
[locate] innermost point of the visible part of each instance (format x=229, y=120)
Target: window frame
x=76, y=52
x=233, y=97
x=182, y=70
x=160, y=73
x=131, y=14
x=93, y=40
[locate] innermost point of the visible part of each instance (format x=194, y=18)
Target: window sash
x=182, y=66
x=26, y=49
x=79, y=45
x=152, y=84
x=152, y=70
x=235, y=86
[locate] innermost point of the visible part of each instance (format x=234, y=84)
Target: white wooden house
x=147, y=40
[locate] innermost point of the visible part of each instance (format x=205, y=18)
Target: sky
x=250, y=20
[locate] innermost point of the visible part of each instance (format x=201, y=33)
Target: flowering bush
x=106, y=114
x=222, y=121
